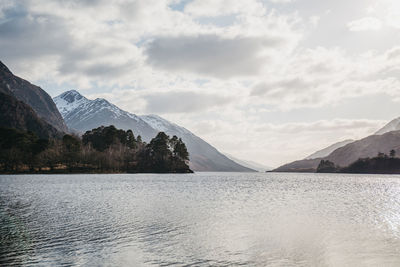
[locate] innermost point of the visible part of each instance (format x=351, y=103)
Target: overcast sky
x=268, y=81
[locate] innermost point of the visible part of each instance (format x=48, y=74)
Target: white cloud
x=385, y=13
x=213, y=8
x=365, y=24
x=320, y=77
x=281, y=1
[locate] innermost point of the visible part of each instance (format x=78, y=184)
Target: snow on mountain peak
x=71, y=96
x=68, y=101
x=71, y=101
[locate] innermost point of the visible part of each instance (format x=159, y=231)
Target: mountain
x=393, y=125
x=18, y=115
x=364, y=148
x=32, y=95
x=305, y=165
x=203, y=156
x=328, y=150
x=250, y=164
x=82, y=114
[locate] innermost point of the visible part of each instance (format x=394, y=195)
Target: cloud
x=281, y=1
x=211, y=55
x=315, y=78
x=345, y=126
x=279, y=88
x=24, y=37
x=214, y=8
x=365, y=24
x=393, y=53
x=183, y=102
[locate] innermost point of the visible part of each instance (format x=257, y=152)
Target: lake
x=202, y=219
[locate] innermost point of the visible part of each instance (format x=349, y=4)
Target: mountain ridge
x=367, y=147
x=82, y=114
x=393, y=125
x=328, y=150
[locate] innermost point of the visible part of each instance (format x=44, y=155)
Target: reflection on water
x=204, y=219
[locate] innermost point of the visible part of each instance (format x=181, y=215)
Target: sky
x=264, y=80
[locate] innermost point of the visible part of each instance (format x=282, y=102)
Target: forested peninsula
x=101, y=150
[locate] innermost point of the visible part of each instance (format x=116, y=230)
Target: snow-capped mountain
x=82, y=114
x=393, y=125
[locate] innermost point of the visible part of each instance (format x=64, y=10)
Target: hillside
x=328, y=150
x=18, y=115
x=32, y=95
x=365, y=148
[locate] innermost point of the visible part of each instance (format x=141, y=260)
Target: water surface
x=203, y=219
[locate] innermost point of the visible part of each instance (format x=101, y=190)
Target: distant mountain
x=344, y=156
x=328, y=150
x=82, y=114
x=305, y=165
x=31, y=95
x=366, y=147
x=393, y=125
x=250, y=164
x=18, y=115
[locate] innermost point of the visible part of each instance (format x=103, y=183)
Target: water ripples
x=207, y=219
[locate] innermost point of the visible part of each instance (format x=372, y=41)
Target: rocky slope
x=18, y=115
x=32, y=95
x=82, y=114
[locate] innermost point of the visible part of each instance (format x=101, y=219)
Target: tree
x=164, y=154
x=160, y=152
x=326, y=166
x=180, y=150
x=104, y=149
x=381, y=155
x=18, y=149
x=392, y=153
x=131, y=141
x=71, y=150
x=102, y=138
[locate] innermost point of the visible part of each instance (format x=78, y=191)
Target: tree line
x=381, y=164
x=101, y=150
